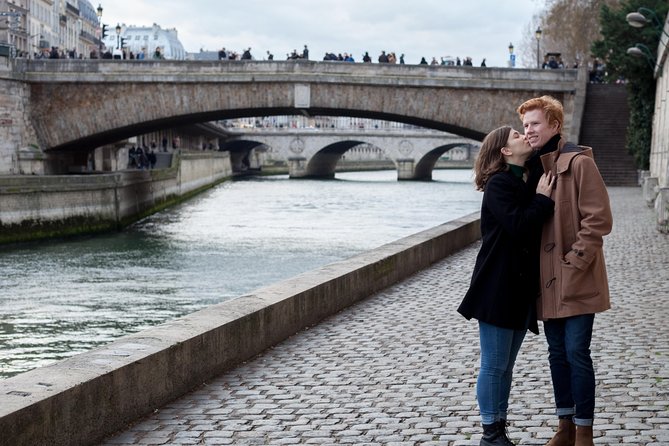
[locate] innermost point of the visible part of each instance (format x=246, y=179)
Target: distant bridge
x=78, y=105
x=311, y=152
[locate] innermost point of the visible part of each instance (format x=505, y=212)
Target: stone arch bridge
x=78, y=105
x=315, y=152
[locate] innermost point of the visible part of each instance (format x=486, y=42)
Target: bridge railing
x=331, y=130
x=115, y=71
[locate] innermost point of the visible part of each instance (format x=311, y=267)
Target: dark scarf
x=534, y=163
x=518, y=171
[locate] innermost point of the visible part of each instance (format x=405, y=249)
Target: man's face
x=537, y=130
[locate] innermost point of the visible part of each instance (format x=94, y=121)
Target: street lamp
x=118, y=36
x=638, y=19
x=641, y=50
x=537, y=34
x=99, y=14
x=512, y=57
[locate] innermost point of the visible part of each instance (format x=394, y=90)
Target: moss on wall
x=33, y=230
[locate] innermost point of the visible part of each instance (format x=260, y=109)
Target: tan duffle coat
x=573, y=272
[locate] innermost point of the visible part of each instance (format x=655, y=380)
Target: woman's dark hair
x=490, y=160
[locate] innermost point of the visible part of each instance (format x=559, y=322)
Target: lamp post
x=118, y=36
x=537, y=34
x=638, y=20
x=512, y=57
x=99, y=14
x=640, y=50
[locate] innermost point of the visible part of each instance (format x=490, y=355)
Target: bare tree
x=568, y=27
x=527, y=50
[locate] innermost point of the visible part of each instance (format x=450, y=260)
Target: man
x=573, y=274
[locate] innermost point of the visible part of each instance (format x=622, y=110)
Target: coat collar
x=560, y=159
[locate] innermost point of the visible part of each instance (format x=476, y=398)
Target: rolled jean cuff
x=583, y=422
x=489, y=419
x=564, y=411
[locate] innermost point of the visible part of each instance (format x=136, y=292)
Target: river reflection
x=64, y=297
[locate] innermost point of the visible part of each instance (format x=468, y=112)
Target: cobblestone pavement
x=400, y=367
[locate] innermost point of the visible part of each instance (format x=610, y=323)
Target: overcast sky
x=418, y=28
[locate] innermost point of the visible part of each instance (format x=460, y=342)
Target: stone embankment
x=82, y=399
x=41, y=206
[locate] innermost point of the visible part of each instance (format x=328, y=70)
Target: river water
x=60, y=298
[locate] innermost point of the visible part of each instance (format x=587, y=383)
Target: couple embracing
x=544, y=213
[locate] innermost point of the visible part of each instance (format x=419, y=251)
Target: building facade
x=34, y=28
x=656, y=186
x=14, y=27
x=145, y=42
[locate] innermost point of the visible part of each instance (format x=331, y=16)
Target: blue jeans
x=571, y=366
x=499, y=348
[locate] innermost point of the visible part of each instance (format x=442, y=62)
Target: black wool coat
x=505, y=282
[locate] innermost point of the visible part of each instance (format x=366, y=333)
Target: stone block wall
x=35, y=207
x=18, y=139
x=82, y=399
x=659, y=152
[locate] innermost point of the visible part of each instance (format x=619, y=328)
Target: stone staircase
x=604, y=128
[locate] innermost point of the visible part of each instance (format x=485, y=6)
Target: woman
x=505, y=282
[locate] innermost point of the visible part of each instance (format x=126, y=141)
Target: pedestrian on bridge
x=505, y=284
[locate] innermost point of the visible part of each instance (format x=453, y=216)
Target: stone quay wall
x=656, y=181
x=83, y=399
x=17, y=136
x=42, y=206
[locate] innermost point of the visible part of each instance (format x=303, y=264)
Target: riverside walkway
x=400, y=367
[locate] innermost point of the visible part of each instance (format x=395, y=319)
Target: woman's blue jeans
x=499, y=348
x=571, y=366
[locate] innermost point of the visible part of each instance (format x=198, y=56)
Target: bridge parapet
x=143, y=71
x=77, y=105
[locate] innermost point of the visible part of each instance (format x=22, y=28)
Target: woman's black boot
x=495, y=435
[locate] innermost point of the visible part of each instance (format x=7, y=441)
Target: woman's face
x=518, y=146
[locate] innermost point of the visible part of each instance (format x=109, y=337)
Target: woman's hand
x=545, y=186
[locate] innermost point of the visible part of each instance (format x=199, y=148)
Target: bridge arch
x=81, y=104
x=424, y=167
x=324, y=161
x=241, y=153
x=316, y=153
